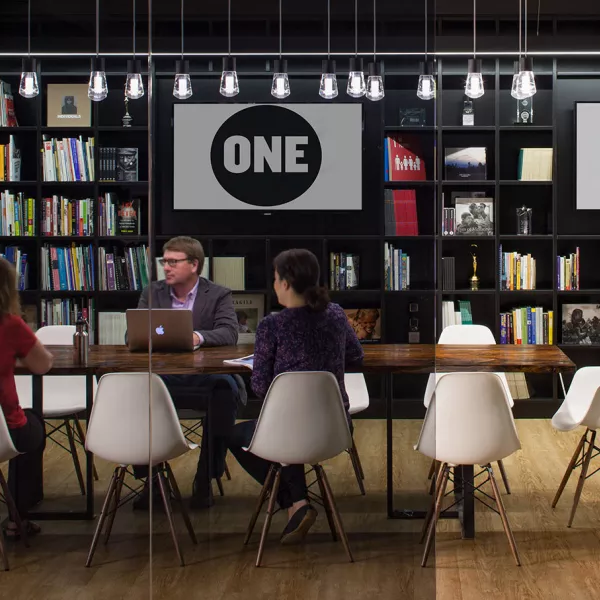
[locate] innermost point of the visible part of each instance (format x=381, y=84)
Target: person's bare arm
x=38, y=359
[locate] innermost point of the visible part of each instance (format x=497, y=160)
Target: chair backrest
x=583, y=398
x=7, y=448
x=118, y=430
x=468, y=421
x=302, y=421
x=56, y=335
x=358, y=392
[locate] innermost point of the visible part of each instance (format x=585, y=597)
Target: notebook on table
x=245, y=361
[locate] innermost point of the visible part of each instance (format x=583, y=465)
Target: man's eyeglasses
x=172, y=262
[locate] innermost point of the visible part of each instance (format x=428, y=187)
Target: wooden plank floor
x=557, y=562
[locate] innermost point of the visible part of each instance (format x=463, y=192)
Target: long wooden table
x=386, y=360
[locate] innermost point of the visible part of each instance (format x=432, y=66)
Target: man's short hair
x=189, y=246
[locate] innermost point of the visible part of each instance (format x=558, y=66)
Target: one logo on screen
x=266, y=155
x=160, y=330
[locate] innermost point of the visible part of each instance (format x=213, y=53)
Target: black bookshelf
x=557, y=226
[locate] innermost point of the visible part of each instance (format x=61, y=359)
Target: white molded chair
x=358, y=395
x=302, y=422
x=64, y=398
x=7, y=452
x=467, y=335
x=581, y=406
x=468, y=422
x=118, y=432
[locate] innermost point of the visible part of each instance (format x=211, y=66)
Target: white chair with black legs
x=581, y=407
x=466, y=335
x=468, y=422
x=358, y=396
x=7, y=452
x=64, y=399
x=118, y=432
x=302, y=422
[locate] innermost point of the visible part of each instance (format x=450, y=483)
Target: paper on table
x=245, y=361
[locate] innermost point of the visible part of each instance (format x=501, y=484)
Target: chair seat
x=358, y=394
x=190, y=414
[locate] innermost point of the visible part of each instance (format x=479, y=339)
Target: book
x=229, y=271
x=249, y=310
x=68, y=105
x=465, y=163
x=127, y=164
x=474, y=216
x=405, y=161
x=128, y=217
x=245, y=361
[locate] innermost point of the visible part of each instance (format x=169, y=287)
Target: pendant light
x=182, y=88
x=356, y=77
x=134, y=86
x=375, y=89
x=97, y=88
x=426, y=85
x=514, y=90
x=229, y=79
x=329, y=87
x=474, y=86
x=281, y=83
x=29, y=88
x=525, y=84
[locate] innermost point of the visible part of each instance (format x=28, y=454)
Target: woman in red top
x=26, y=428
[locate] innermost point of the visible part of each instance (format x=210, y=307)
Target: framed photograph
x=581, y=324
x=474, y=216
x=249, y=310
x=366, y=322
x=466, y=163
x=68, y=105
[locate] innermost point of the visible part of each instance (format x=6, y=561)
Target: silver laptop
x=172, y=329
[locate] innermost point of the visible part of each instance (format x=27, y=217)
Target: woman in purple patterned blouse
x=310, y=334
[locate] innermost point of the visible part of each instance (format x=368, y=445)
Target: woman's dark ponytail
x=300, y=268
x=317, y=298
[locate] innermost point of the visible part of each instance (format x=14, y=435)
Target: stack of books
x=535, y=164
x=396, y=269
x=68, y=268
x=567, y=271
x=65, y=217
x=516, y=271
x=17, y=215
x=344, y=269
x=68, y=159
x=527, y=325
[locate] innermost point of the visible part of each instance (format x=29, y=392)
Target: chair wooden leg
x=3, y=554
x=360, y=468
x=13, y=513
x=270, y=511
x=574, y=460
x=502, y=511
x=82, y=438
x=220, y=486
x=326, y=504
x=436, y=464
x=261, y=500
x=75, y=456
x=432, y=468
x=336, y=515
x=582, y=475
x=356, y=466
x=444, y=472
x=164, y=492
x=504, y=476
x=102, y=518
x=115, y=504
x=227, y=473
x=177, y=494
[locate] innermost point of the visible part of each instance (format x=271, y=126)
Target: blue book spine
x=529, y=325
x=62, y=272
x=534, y=318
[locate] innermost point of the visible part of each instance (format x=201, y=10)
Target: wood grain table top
x=379, y=358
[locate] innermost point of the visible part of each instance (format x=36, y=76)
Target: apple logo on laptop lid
x=160, y=330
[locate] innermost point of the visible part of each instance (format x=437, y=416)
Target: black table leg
x=89, y=457
x=209, y=450
x=387, y=391
x=467, y=504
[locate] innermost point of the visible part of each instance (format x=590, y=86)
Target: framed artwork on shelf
x=465, y=163
x=474, y=216
x=581, y=324
x=366, y=322
x=249, y=310
x=68, y=105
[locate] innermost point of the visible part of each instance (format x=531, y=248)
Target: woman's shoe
x=298, y=526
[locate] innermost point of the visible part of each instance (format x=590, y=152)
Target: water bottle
x=81, y=342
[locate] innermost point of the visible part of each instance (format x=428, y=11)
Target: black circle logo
x=266, y=155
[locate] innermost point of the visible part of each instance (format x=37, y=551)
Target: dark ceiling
x=69, y=25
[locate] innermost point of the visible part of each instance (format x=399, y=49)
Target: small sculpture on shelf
x=524, y=217
x=474, y=278
x=127, y=118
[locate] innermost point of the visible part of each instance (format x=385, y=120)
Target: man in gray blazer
x=215, y=324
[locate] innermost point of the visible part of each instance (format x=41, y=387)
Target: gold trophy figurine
x=474, y=278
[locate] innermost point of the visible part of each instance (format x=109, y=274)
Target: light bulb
x=182, y=88
x=525, y=80
x=375, y=89
x=28, y=87
x=229, y=79
x=134, y=86
x=280, y=88
x=97, y=88
x=426, y=87
x=514, y=88
x=474, y=85
x=356, y=79
x=328, y=88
